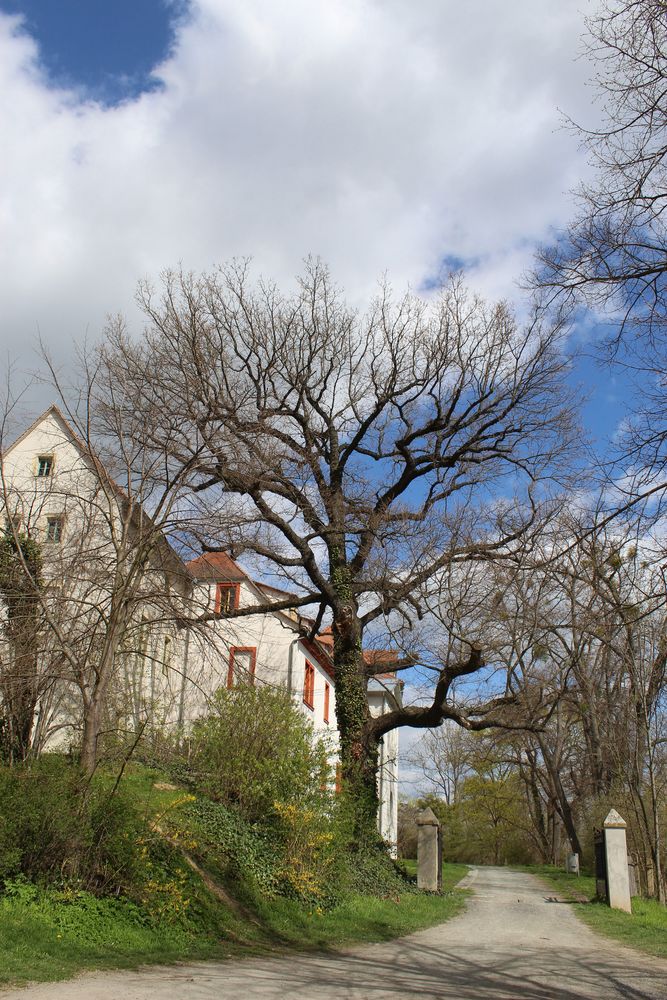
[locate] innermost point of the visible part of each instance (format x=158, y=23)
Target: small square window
x=54, y=529
x=44, y=466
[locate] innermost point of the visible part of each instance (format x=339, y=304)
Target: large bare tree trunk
x=358, y=745
x=93, y=706
x=91, y=729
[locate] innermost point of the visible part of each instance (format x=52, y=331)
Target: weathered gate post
x=600, y=865
x=616, y=857
x=429, y=852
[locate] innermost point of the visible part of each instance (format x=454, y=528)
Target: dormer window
x=44, y=466
x=226, y=598
x=54, y=529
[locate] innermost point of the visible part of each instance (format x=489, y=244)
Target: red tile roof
x=319, y=653
x=374, y=657
x=325, y=638
x=216, y=566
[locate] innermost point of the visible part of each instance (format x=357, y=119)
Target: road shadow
x=414, y=970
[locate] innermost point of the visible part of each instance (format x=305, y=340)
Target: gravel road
x=515, y=941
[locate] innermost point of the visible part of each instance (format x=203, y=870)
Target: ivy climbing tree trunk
x=358, y=746
x=20, y=581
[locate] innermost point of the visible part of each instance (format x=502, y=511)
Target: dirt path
x=512, y=943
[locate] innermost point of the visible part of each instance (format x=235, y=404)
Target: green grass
x=35, y=946
x=451, y=873
x=358, y=918
x=49, y=935
x=192, y=889
x=645, y=929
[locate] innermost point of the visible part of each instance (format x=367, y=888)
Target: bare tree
x=511, y=608
x=444, y=756
x=615, y=250
x=631, y=632
x=358, y=454
x=588, y=624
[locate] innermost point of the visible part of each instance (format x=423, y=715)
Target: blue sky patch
x=106, y=50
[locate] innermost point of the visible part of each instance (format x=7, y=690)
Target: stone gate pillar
x=616, y=855
x=429, y=864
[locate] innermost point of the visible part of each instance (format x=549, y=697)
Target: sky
x=389, y=137
x=386, y=136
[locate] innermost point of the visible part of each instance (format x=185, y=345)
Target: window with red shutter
x=309, y=686
x=242, y=660
x=327, y=694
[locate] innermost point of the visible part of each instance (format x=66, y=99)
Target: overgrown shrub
x=255, y=748
x=299, y=852
x=374, y=873
x=55, y=827
x=272, y=828
x=312, y=857
x=41, y=828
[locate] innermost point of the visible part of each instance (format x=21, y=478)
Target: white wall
x=382, y=699
x=81, y=568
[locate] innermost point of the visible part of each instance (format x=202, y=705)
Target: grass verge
x=48, y=935
x=645, y=929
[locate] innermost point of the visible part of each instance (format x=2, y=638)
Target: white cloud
x=381, y=134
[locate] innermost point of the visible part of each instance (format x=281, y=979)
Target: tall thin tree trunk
x=655, y=845
x=91, y=730
x=561, y=801
x=94, y=705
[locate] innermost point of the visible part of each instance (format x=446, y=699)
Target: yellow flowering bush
x=308, y=851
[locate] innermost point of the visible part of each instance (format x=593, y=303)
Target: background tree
x=615, y=250
x=613, y=256
x=408, y=831
x=579, y=632
x=358, y=454
x=444, y=757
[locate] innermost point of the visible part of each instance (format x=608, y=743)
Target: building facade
x=177, y=646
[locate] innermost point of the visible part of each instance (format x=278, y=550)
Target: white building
x=264, y=649
x=56, y=491
x=271, y=648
